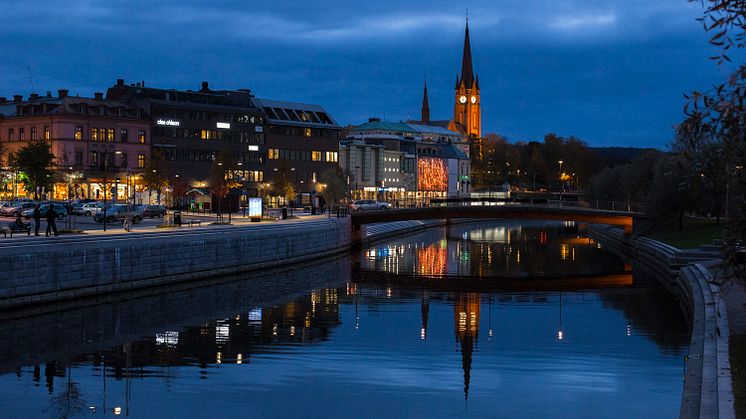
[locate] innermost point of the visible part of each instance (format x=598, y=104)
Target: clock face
x=473, y=99
x=462, y=99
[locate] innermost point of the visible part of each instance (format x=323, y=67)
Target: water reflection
x=374, y=344
x=510, y=250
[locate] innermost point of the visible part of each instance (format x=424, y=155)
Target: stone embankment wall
x=78, y=267
x=707, y=382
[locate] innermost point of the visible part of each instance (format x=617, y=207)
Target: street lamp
x=560, y=179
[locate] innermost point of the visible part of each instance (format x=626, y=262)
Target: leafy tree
x=35, y=161
x=155, y=175
x=283, y=182
x=335, y=185
x=718, y=115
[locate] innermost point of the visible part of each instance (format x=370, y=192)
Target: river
x=492, y=319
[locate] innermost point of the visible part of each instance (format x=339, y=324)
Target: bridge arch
x=507, y=212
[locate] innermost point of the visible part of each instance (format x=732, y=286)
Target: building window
x=110, y=135
x=93, y=158
x=78, y=158
x=124, y=160
x=102, y=134
x=140, y=161
x=123, y=135
x=316, y=155
x=255, y=176
x=33, y=133
x=94, y=134
x=47, y=133
x=332, y=156
x=141, y=136
x=10, y=134
x=21, y=134
x=308, y=132
x=78, y=133
x=273, y=154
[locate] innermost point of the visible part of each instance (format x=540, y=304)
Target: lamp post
x=560, y=179
x=356, y=178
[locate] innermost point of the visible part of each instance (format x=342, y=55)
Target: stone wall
x=74, y=268
x=707, y=381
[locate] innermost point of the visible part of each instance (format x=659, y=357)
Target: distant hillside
x=613, y=156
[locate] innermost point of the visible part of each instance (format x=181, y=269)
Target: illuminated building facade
x=305, y=137
x=191, y=129
x=424, y=162
x=86, y=136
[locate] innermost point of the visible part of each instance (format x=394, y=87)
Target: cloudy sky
x=611, y=72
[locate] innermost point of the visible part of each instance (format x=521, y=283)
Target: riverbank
x=708, y=391
x=64, y=268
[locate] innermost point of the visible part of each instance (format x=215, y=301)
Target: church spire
x=467, y=71
x=425, y=106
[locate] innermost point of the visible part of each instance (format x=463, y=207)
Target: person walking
x=37, y=219
x=51, y=220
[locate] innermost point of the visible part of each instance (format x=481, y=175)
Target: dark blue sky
x=609, y=72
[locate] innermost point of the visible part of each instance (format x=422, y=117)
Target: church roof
x=467, y=69
x=377, y=125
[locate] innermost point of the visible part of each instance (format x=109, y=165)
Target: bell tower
x=467, y=113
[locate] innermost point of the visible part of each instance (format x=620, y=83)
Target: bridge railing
x=573, y=202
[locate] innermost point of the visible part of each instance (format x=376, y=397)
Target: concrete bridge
x=624, y=219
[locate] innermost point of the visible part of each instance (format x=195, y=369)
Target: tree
x=220, y=185
x=334, y=183
x=718, y=115
x=34, y=161
x=283, y=183
x=155, y=175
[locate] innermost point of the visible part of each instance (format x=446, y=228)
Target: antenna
x=31, y=79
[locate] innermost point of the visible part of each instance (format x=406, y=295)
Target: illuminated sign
x=432, y=174
x=253, y=148
x=168, y=122
x=255, y=208
x=258, y=128
x=224, y=125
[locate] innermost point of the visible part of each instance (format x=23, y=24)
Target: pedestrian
x=37, y=219
x=51, y=220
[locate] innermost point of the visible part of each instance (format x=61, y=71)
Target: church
x=467, y=108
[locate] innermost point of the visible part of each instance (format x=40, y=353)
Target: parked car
x=17, y=209
x=118, y=213
x=88, y=209
x=154, y=211
x=59, y=209
x=369, y=204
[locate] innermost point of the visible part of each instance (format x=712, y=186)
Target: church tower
x=467, y=113
x=425, y=107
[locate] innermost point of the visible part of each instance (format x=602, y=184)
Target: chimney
x=142, y=83
x=49, y=94
x=17, y=98
x=120, y=82
x=98, y=96
x=33, y=96
x=205, y=87
x=62, y=93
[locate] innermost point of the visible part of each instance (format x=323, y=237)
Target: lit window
x=110, y=135
x=273, y=154
x=78, y=133
x=308, y=132
x=94, y=134
x=141, y=161
x=316, y=155
x=332, y=156
x=47, y=133
x=141, y=136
